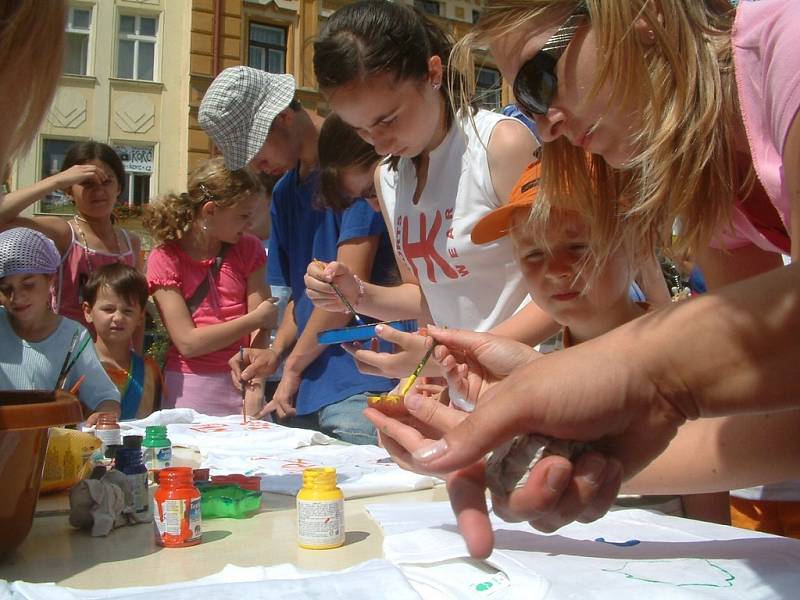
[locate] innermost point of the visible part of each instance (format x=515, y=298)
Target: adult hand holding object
x=472, y=362
x=571, y=395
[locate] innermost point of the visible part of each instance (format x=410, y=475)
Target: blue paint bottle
x=128, y=460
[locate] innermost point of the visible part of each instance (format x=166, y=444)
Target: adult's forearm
x=730, y=352
x=712, y=455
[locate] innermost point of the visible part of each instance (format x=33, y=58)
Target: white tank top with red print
x=467, y=286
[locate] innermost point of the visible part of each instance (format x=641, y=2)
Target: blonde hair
x=542, y=216
x=28, y=73
x=171, y=216
x=687, y=167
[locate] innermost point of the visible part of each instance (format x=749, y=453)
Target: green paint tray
x=227, y=501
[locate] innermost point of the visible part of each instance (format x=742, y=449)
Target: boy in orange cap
x=553, y=246
x=587, y=297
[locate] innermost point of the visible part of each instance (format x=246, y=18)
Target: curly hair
x=170, y=217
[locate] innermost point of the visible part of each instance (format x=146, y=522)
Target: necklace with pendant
x=89, y=250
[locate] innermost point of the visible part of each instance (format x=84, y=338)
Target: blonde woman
x=690, y=109
x=207, y=279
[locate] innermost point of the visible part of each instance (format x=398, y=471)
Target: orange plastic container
x=176, y=513
x=25, y=418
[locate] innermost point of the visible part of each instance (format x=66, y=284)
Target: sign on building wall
x=137, y=159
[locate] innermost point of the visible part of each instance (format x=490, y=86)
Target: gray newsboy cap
x=238, y=109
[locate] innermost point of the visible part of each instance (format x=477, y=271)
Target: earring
x=204, y=226
x=437, y=85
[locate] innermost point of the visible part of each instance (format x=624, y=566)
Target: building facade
x=135, y=72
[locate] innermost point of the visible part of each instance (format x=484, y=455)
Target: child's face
x=359, y=182
x=95, y=200
x=227, y=224
x=115, y=318
x=25, y=297
x=552, y=269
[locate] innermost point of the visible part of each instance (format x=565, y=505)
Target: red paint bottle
x=177, y=509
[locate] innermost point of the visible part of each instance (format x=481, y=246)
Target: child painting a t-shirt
x=35, y=341
x=207, y=277
x=115, y=297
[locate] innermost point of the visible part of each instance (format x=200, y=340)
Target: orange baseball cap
x=497, y=223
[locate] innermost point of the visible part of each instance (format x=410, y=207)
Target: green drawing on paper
x=697, y=572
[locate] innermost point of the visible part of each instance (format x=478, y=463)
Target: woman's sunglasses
x=536, y=82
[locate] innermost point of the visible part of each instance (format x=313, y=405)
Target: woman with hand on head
x=384, y=69
x=690, y=117
x=93, y=176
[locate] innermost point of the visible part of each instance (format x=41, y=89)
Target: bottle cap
x=132, y=441
x=156, y=431
x=111, y=450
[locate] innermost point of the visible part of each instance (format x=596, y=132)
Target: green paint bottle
x=156, y=448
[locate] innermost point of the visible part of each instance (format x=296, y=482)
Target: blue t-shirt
x=300, y=233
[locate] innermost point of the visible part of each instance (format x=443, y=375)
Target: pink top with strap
x=767, y=64
x=76, y=265
x=169, y=266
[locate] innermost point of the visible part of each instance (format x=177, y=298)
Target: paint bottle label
x=320, y=523
x=141, y=501
x=157, y=458
x=195, y=520
x=169, y=518
x=109, y=437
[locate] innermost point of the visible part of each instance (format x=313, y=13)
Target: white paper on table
x=190, y=429
x=281, y=582
x=360, y=470
x=626, y=554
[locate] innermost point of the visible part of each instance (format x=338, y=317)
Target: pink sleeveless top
x=76, y=265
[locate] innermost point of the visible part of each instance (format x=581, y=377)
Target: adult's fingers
x=457, y=339
x=588, y=496
x=541, y=494
x=492, y=423
x=404, y=434
x=432, y=412
x=467, y=491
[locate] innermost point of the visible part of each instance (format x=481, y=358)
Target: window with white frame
x=267, y=48
x=138, y=163
x=136, y=50
x=76, y=47
x=487, y=84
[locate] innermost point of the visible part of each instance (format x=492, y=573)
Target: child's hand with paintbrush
x=334, y=287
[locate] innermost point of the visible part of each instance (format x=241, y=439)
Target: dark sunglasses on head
x=536, y=82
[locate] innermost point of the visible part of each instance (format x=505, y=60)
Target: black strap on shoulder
x=200, y=293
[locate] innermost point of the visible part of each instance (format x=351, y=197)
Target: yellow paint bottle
x=320, y=510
